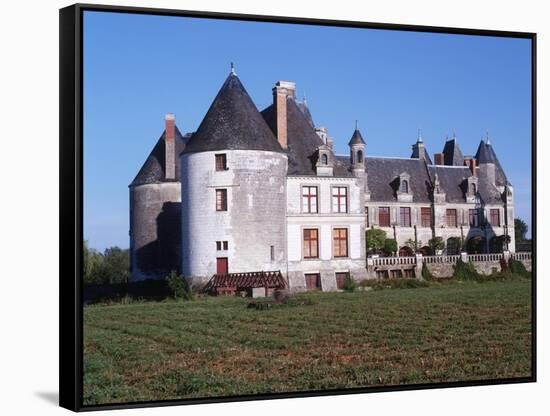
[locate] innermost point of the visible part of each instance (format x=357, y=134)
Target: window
x=495, y=217
x=311, y=243
x=473, y=188
x=367, y=222
x=221, y=245
x=272, y=252
x=221, y=162
x=359, y=156
x=384, y=216
x=225, y=245
x=451, y=217
x=324, y=159
x=426, y=217
x=404, y=187
x=341, y=279
x=221, y=199
x=473, y=217
x=313, y=281
x=309, y=199
x=405, y=216
x=340, y=242
x=339, y=199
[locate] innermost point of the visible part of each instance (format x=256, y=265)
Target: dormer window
x=324, y=159
x=359, y=156
x=404, y=186
x=473, y=188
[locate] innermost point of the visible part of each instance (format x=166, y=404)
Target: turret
x=357, y=153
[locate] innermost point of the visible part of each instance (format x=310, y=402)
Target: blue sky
x=139, y=67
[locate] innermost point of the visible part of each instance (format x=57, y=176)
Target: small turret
x=357, y=152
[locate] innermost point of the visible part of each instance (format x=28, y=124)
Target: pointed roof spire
x=233, y=69
x=356, y=138
x=452, y=155
x=233, y=123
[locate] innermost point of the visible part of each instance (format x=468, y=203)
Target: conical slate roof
x=233, y=123
x=356, y=138
x=452, y=155
x=153, y=169
x=486, y=154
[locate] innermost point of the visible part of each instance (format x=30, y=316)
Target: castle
x=264, y=190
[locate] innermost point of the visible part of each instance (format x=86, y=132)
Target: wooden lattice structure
x=232, y=283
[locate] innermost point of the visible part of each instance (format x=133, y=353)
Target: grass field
x=217, y=347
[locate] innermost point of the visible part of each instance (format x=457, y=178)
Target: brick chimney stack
x=439, y=159
x=170, y=146
x=281, y=91
x=471, y=163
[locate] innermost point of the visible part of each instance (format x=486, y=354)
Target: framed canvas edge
x=71, y=202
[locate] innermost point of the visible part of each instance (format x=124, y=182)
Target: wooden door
x=313, y=281
x=222, y=265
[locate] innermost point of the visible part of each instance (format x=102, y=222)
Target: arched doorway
x=405, y=251
x=476, y=245
x=426, y=251
x=453, y=246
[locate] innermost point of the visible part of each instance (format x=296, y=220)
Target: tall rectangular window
x=451, y=217
x=309, y=199
x=405, y=216
x=384, y=216
x=367, y=220
x=221, y=162
x=426, y=217
x=473, y=217
x=495, y=217
x=340, y=242
x=311, y=243
x=339, y=199
x=221, y=199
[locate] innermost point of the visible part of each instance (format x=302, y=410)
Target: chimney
x=471, y=163
x=281, y=91
x=170, y=146
x=439, y=159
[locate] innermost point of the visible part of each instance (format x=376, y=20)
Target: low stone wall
x=441, y=266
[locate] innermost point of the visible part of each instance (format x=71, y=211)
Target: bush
x=465, y=271
x=517, y=267
x=390, y=246
x=349, y=284
x=375, y=239
x=436, y=244
x=394, y=284
x=179, y=286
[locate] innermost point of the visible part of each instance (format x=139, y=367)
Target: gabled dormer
x=325, y=161
x=403, y=185
x=437, y=191
x=471, y=187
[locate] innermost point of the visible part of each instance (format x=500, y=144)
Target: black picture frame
x=71, y=201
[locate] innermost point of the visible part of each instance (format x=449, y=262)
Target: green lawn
x=216, y=346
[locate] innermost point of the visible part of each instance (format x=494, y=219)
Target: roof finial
x=233, y=69
x=488, y=140
x=355, y=124
x=419, y=138
x=454, y=135
x=304, y=99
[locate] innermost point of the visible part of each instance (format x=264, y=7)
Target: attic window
x=404, y=187
x=359, y=156
x=324, y=159
x=221, y=162
x=473, y=188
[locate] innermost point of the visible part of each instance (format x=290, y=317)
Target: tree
x=179, y=286
x=92, y=263
x=116, y=265
x=520, y=230
x=436, y=243
x=390, y=246
x=375, y=239
x=414, y=245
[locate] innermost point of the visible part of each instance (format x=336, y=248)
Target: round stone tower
x=233, y=178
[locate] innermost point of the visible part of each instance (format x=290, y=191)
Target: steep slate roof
x=382, y=173
x=452, y=154
x=425, y=155
x=451, y=179
x=303, y=106
x=302, y=141
x=356, y=138
x=486, y=154
x=233, y=123
x=152, y=170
